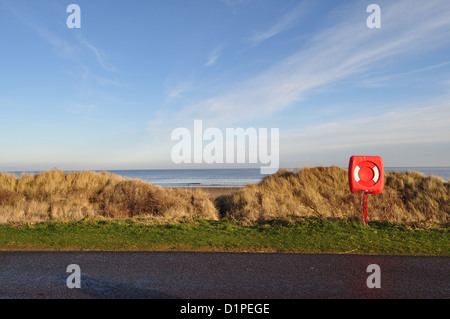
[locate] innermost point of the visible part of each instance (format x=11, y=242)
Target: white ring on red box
x=376, y=173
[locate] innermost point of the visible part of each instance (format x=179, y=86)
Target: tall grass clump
x=323, y=192
x=58, y=196
x=426, y=198
x=319, y=192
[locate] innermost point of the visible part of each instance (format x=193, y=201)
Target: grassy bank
x=58, y=196
x=409, y=198
x=320, y=192
x=311, y=211
x=309, y=236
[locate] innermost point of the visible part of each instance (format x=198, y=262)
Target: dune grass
x=311, y=211
x=409, y=198
x=321, y=192
x=58, y=196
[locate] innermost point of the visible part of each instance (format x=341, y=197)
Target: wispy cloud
x=426, y=122
x=337, y=53
x=214, y=56
x=286, y=22
x=386, y=80
x=99, y=55
x=82, y=108
x=178, y=91
x=234, y=4
x=73, y=48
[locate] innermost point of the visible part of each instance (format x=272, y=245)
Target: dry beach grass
x=58, y=196
x=320, y=192
x=323, y=192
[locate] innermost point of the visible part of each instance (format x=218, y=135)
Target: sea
x=229, y=177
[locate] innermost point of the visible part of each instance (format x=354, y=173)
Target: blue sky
x=108, y=95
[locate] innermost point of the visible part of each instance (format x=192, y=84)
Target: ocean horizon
x=224, y=177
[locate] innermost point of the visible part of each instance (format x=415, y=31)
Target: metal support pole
x=365, y=207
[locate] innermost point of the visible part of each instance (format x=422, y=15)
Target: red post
x=365, y=207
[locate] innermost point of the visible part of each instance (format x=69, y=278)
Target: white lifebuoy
x=356, y=174
x=376, y=174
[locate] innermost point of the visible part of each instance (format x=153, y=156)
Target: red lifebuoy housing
x=366, y=174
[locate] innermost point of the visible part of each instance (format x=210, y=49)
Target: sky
x=108, y=95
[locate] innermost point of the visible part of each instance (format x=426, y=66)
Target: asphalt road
x=184, y=275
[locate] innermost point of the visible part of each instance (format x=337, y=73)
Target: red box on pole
x=366, y=174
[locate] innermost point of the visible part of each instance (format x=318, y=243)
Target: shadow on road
x=101, y=289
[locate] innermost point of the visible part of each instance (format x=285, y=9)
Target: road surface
x=192, y=275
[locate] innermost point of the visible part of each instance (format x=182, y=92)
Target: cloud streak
x=99, y=55
x=286, y=22
x=178, y=91
x=70, y=48
x=420, y=123
x=345, y=50
x=214, y=56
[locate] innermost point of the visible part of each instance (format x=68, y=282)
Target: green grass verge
x=309, y=236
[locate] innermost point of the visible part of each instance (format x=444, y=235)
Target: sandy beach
x=215, y=192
